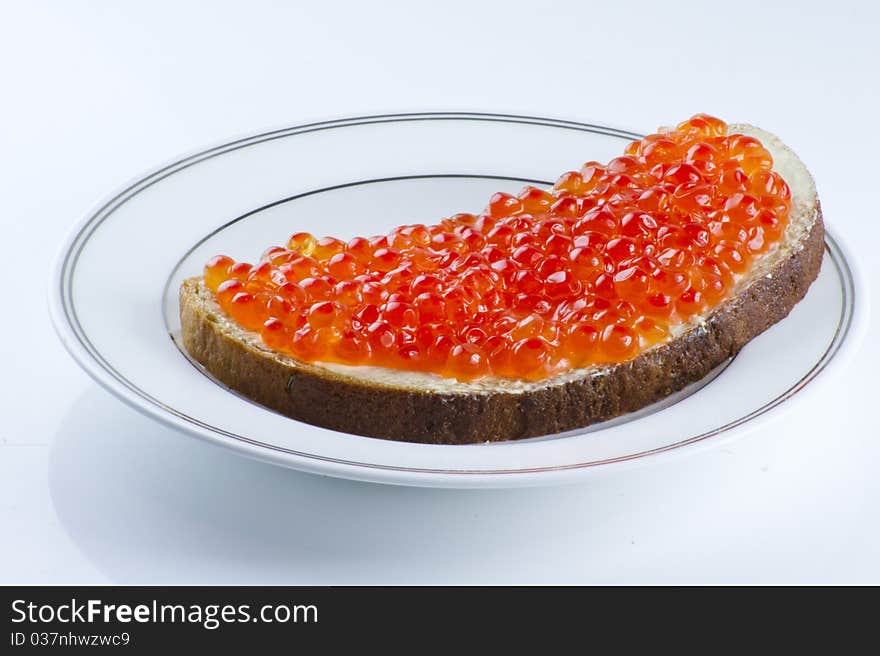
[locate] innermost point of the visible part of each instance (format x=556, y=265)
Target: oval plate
x=114, y=292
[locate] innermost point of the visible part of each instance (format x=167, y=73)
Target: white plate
x=114, y=302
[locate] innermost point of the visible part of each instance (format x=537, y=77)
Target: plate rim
x=74, y=339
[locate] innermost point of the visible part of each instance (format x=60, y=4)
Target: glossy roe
x=595, y=270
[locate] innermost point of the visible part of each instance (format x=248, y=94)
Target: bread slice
x=422, y=407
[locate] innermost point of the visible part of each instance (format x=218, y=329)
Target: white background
x=94, y=93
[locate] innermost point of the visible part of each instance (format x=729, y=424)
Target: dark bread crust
x=317, y=396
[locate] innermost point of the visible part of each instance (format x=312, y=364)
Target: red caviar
x=595, y=270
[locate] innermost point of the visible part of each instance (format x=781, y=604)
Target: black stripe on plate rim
x=78, y=241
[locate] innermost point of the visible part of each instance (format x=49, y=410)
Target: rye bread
x=430, y=409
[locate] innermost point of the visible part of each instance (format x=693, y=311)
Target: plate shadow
x=149, y=505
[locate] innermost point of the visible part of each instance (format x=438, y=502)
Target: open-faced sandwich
x=550, y=310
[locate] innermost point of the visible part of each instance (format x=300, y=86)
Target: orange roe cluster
x=594, y=270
